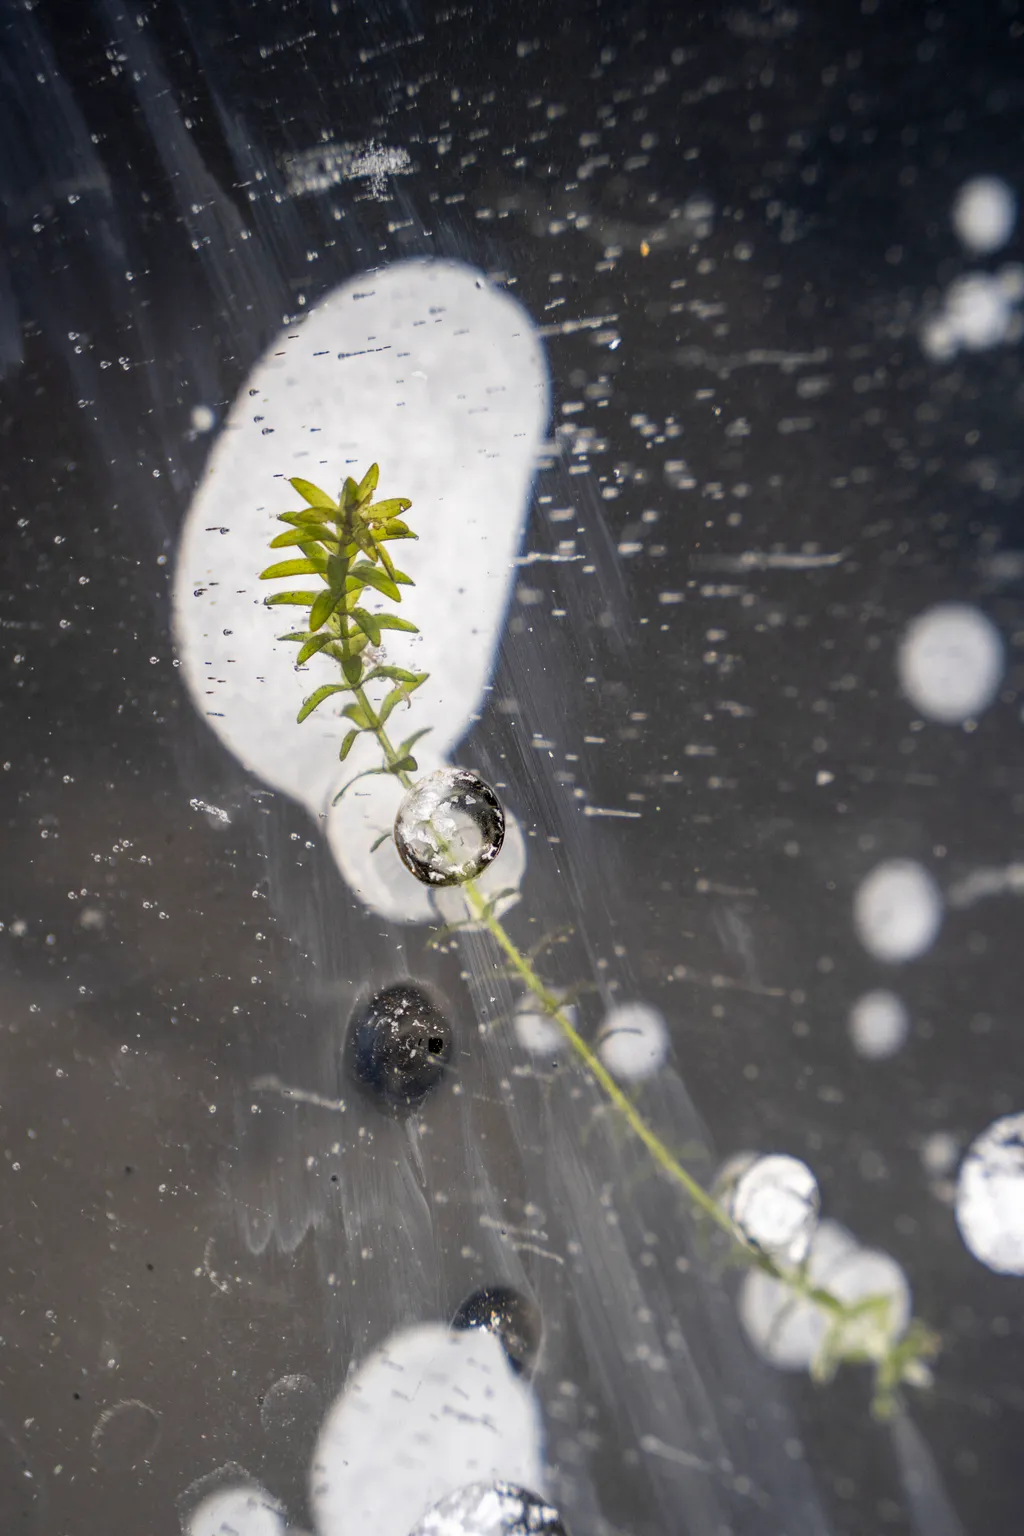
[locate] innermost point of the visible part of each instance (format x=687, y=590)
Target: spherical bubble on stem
x=878, y=1024
x=536, y=1031
x=449, y=828
x=990, y=1196
x=897, y=911
x=491, y=1509
x=774, y=1201
x=499, y=884
x=633, y=1042
x=984, y=214
x=950, y=662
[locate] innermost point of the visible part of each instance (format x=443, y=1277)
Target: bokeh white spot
x=633, y=1041
x=984, y=214
x=245, y=1511
x=878, y=1024
x=897, y=911
x=950, y=662
x=203, y=419
x=990, y=1196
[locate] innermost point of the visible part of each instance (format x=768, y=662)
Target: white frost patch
x=633, y=1041
x=878, y=1024
x=442, y=378
x=990, y=1196
x=984, y=214
x=774, y=1201
x=897, y=911
x=425, y=1414
x=950, y=662
x=237, y=1512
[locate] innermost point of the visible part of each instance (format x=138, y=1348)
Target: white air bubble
x=990, y=1196
x=633, y=1042
x=984, y=214
x=950, y=662
x=897, y=911
x=878, y=1025
x=203, y=419
x=537, y=1031
x=774, y=1202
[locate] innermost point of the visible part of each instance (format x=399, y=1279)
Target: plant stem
x=795, y=1280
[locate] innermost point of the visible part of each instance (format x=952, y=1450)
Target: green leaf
x=367, y=773
x=382, y=839
x=352, y=667
x=348, y=743
x=366, y=575
x=313, y=494
x=296, y=634
x=390, y=700
x=301, y=599
x=385, y=560
x=397, y=675
x=403, y=765
x=410, y=741
x=368, y=484
x=309, y=517
x=303, y=534
x=369, y=625
x=394, y=528
x=382, y=510
x=324, y=605
x=404, y=580
x=392, y=621
x=313, y=643
x=357, y=714
x=316, y=698
x=290, y=568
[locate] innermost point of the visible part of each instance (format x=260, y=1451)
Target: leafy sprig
x=343, y=544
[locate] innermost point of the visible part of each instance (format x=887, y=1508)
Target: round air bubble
x=237, y=1512
x=950, y=663
x=633, y=1042
x=897, y=911
x=878, y=1025
x=984, y=214
x=449, y=827
x=774, y=1201
x=990, y=1196
x=491, y=1509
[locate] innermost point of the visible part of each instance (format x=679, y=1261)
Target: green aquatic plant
x=343, y=545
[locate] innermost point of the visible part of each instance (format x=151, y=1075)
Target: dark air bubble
x=397, y=1046
x=491, y=1509
x=510, y=1316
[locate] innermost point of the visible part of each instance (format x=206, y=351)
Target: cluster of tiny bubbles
x=397, y=1046
x=990, y=1196
x=449, y=828
x=513, y=1319
x=773, y=1200
x=491, y=1509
